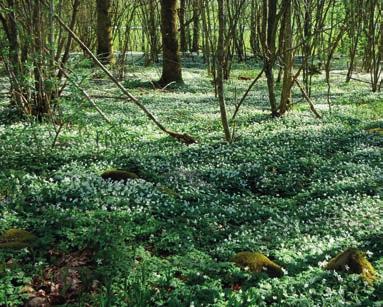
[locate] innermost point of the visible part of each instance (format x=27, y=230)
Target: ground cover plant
x=191, y=153
x=298, y=189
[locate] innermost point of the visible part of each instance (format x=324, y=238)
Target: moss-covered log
x=16, y=239
x=257, y=262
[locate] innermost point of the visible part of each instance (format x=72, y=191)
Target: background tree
x=220, y=69
x=104, y=31
x=171, y=67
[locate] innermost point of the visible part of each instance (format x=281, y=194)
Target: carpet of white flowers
x=298, y=189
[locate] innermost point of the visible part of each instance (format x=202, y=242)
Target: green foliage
x=294, y=188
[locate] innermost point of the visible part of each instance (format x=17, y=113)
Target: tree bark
x=269, y=32
x=182, y=12
x=104, y=31
x=171, y=67
x=287, y=58
x=196, y=28
x=220, y=68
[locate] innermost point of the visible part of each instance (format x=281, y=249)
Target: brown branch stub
x=183, y=138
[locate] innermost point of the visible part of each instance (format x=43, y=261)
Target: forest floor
x=298, y=189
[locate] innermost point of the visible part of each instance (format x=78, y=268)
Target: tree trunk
x=220, y=68
x=182, y=11
x=104, y=31
x=196, y=27
x=171, y=67
x=269, y=30
x=287, y=58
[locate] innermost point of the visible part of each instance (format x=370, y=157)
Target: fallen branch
x=184, y=138
x=106, y=97
x=352, y=78
x=166, y=86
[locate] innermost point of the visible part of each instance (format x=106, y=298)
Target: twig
x=352, y=78
x=166, y=86
x=86, y=95
x=57, y=132
x=245, y=95
x=312, y=107
x=107, y=97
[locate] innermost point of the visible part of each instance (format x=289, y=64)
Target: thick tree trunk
x=104, y=31
x=171, y=67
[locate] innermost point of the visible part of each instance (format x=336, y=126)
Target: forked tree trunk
x=104, y=31
x=269, y=33
x=171, y=67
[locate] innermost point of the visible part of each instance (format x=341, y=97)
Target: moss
x=376, y=130
x=168, y=191
x=119, y=175
x=258, y=262
x=16, y=239
x=353, y=261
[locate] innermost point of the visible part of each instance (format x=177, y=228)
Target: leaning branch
x=184, y=138
x=245, y=95
x=86, y=95
x=312, y=107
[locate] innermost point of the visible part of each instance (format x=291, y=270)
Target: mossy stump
x=168, y=191
x=376, y=130
x=119, y=175
x=257, y=262
x=353, y=261
x=16, y=239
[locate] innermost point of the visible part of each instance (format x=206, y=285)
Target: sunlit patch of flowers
x=293, y=188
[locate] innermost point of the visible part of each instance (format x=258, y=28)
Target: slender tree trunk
x=41, y=105
x=353, y=50
x=196, y=28
x=171, y=67
x=270, y=31
x=104, y=31
x=182, y=12
x=153, y=32
x=206, y=38
x=220, y=70
x=15, y=69
x=287, y=58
